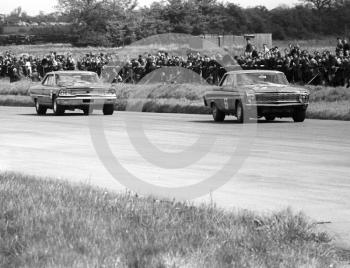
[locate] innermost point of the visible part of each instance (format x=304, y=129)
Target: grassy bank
x=151, y=45
x=339, y=110
x=175, y=44
x=12, y=100
x=46, y=223
x=325, y=102
x=20, y=88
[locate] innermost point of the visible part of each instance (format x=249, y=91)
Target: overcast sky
x=32, y=7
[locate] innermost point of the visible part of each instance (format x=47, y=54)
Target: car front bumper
x=276, y=109
x=86, y=101
x=276, y=105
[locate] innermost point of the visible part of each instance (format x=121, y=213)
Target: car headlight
x=304, y=98
x=64, y=92
x=110, y=91
x=251, y=97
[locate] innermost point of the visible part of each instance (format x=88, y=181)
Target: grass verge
x=325, y=102
x=16, y=100
x=45, y=223
x=20, y=88
x=338, y=110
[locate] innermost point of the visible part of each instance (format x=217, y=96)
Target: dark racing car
x=257, y=93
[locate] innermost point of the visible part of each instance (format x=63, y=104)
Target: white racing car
x=70, y=90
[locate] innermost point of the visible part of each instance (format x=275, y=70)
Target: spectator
x=339, y=46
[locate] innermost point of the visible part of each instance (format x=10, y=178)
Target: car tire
x=57, y=109
x=88, y=110
x=40, y=109
x=270, y=117
x=299, y=115
x=108, y=109
x=218, y=115
x=241, y=115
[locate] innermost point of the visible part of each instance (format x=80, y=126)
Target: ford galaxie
x=69, y=90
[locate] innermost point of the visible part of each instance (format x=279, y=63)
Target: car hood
x=274, y=88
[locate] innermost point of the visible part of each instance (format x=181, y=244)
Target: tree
x=16, y=12
x=95, y=20
x=320, y=4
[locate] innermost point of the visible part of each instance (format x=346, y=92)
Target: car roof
x=71, y=72
x=253, y=71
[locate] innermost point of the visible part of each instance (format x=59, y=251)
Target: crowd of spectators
x=24, y=65
x=300, y=66
x=208, y=68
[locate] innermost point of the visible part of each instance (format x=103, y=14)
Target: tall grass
x=338, y=110
x=12, y=100
x=325, y=102
x=17, y=88
x=182, y=106
x=176, y=91
x=329, y=94
x=45, y=223
x=191, y=92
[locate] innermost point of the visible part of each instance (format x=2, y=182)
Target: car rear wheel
x=40, y=109
x=270, y=117
x=57, y=109
x=108, y=109
x=218, y=115
x=299, y=115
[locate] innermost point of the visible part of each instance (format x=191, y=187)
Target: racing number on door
x=226, y=103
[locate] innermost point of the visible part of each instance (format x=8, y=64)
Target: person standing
x=340, y=47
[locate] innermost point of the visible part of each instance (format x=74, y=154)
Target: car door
x=39, y=91
x=48, y=86
x=228, y=94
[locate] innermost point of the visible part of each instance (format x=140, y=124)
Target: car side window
x=223, y=80
x=56, y=80
x=45, y=81
x=228, y=81
x=49, y=81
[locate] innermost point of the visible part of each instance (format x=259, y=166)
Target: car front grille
x=276, y=97
x=87, y=95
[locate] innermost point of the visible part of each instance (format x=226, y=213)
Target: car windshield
x=69, y=78
x=258, y=78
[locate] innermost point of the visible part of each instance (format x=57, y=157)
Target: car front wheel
x=40, y=109
x=218, y=115
x=88, y=110
x=299, y=115
x=57, y=109
x=269, y=117
x=240, y=113
x=108, y=109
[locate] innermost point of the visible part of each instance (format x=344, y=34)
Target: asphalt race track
x=304, y=166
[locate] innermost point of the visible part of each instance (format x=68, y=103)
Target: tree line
x=120, y=22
